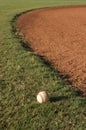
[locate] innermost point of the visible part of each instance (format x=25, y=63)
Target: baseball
x=42, y=97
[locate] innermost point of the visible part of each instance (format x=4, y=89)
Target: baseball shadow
x=55, y=99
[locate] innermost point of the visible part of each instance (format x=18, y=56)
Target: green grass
x=23, y=75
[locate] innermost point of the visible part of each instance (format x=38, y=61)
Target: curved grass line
x=27, y=47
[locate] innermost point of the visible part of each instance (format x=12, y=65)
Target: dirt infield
x=59, y=35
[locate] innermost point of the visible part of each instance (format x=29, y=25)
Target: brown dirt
x=59, y=35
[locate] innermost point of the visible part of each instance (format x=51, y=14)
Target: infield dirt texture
x=59, y=35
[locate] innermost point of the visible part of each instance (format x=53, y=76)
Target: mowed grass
x=23, y=75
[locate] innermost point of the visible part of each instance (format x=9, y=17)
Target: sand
x=59, y=36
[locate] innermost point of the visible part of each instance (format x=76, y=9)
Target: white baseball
x=42, y=97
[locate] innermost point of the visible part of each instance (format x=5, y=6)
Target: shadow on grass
x=59, y=98
x=65, y=77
